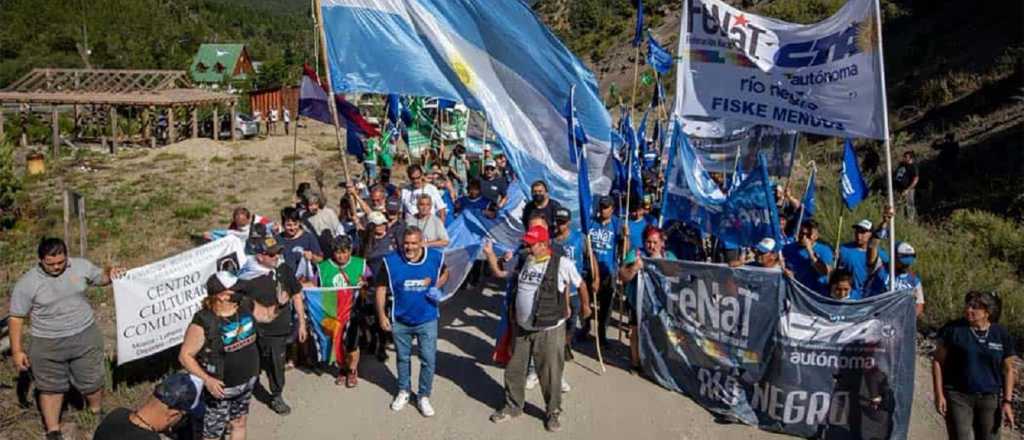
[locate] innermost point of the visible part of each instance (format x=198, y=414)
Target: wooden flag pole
x=595, y=304
x=888, y=146
x=636, y=77
x=330, y=90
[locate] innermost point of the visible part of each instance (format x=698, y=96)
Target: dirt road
x=467, y=388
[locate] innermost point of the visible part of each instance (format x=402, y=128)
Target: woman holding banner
x=974, y=370
x=220, y=348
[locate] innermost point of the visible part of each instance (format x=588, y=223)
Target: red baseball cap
x=535, y=234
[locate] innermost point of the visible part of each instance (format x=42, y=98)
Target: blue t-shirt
x=405, y=281
x=636, y=231
x=604, y=239
x=855, y=260
x=466, y=203
x=974, y=359
x=799, y=261
x=294, y=247
x=573, y=249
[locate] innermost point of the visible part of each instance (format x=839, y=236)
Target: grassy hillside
x=146, y=34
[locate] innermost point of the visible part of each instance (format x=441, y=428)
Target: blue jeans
x=426, y=334
x=371, y=171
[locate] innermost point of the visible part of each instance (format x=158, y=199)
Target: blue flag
x=659, y=58
x=394, y=108
x=809, y=201
x=354, y=142
x=494, y=55
x=638, y=36
x=578, y=155
x=749, y=213
x=852, y=182
x=683, y=172
x=659, y=93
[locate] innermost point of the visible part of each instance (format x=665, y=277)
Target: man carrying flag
x=334, y=313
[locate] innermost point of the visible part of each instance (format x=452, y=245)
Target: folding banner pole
x=888, y=146
x=330, y=90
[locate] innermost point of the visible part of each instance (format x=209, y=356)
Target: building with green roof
x=221, y=63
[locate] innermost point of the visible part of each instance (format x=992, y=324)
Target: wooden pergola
x=104, y=91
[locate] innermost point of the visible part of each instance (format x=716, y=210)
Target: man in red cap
x=538, y=305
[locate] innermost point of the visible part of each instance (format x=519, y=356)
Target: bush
x=10, y=186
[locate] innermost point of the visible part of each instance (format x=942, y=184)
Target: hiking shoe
x=425, y=408
x=532, y=381
x=54, y=435
x=502, y=416
x=401, y=399
x=565, y=386
x=552, y=424
x=279, y=406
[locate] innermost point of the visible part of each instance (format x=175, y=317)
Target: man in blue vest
x=414, y=277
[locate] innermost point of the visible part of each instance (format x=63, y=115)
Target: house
x=216, y=64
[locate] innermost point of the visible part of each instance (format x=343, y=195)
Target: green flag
x=646, y=79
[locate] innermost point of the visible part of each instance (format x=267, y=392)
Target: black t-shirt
x=548, y=212
x=117, y=426
x=238, y=337
x=493, y=189
x=263, y=290
x=974, y=359
x=905, y=174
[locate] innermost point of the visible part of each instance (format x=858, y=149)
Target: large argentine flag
x=494, y=56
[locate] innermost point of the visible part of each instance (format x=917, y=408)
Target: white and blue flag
x=493, y=56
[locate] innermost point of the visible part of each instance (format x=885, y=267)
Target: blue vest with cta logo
x=410, y=305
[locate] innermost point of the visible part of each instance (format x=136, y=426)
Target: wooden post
x=1, y=124
x=216, y=125
x=55, y=128
x=195, y=122
x=172, y=134
x=81, y=226
x=77, y=114
x=147, y=122
x=67, y=216
x=234, y=121
x=113, y=130
x=24, y=126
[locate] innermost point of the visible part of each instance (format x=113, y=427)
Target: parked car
x=246, y=127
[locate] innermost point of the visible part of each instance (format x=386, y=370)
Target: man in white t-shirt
x=418, y=185
x=538, y=306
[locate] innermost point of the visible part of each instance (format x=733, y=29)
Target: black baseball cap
x=604, y=201
x=220, y=282
x=265, y=245
x=563, y=214
x=179, y=391
x=393, y=205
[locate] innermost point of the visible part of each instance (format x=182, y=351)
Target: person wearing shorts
x=220, y=348
x=66, y=347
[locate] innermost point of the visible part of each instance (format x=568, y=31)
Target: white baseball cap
x=864, y=224
x=766, y=245
x=377, y=218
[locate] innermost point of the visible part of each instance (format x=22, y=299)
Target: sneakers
x=54, y=435
x=279, y=406
x=401, y=399
x=532, y=381
x=425, y=408
x=502, y=416
x=565, y=386
x=552, y=424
